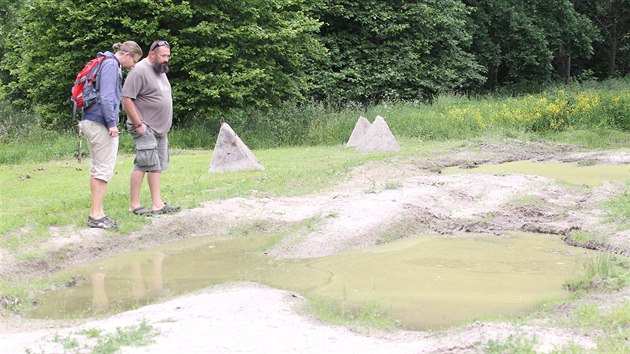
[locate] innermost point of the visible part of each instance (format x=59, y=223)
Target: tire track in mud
x=597, y=246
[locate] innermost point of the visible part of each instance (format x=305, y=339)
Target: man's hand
x=113, y=132
x=141, y=129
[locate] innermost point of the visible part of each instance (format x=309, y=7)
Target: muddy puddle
x=578, y=174
x=425, y=282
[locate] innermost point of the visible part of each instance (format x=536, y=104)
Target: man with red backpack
x=99, y=124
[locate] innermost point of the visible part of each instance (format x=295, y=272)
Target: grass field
x=300, y=146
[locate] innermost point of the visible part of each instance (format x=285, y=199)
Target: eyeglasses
x=158, y=44
x=133, y=58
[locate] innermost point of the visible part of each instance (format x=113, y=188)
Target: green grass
x=595, y=115
x=91, y=332
x=38, y=195
x=271, y=232
x=603, y=272
x=401, y=229
x=18, y=292
x=574, y=314
x=47, y=145
x=610, y=324
x=136, y=336
x=97, y=342
x=373, y=316
x=607, y=321
x=326, y=311
x=618, y=208
x=512, y=344
x=581, y=236
x=368, y=317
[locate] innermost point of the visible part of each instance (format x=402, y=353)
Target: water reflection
x=425, y=281
x=139, y=290
x=99, y=295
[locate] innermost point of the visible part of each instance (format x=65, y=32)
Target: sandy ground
x=376, y=198
x=250, y=318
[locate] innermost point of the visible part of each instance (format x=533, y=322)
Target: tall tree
x=394, y=49
x=525, y=40
x=612, y=19
x=9, y=12
x=242, y=53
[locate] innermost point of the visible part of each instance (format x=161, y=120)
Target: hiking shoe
x=103, y=223
x=167, y=209
x=141, y=211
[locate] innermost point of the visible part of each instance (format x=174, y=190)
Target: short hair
x=159, y=43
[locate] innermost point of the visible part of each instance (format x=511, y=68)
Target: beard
x=160, y=68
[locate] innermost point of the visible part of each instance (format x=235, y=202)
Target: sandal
x=141, y=211
x=167, y=209
x=103, y=223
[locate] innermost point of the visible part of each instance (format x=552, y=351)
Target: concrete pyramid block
x=360, y=128
x=231, y=154
x=378, y=138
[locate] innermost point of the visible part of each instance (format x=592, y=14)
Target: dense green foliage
x=381, y=50
x=516, y=44
x=233, y=55
x=612, y=20
x=9, y=10
x=226, y=54
x=239, y=56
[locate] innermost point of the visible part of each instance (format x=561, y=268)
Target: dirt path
x=396, y=198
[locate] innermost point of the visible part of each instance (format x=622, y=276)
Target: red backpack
x=84, y=92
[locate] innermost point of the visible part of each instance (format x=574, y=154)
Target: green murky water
x=425, y=281
x=591, y=176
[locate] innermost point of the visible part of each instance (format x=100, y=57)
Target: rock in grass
x=231, y=154
x=378, y=138
x=360, y=128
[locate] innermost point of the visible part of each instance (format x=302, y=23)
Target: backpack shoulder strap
x=98, y=71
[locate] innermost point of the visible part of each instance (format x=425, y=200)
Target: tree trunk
x=563, y=64
x=493, y=78
x=612, y=55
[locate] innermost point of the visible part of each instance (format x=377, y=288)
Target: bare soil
x=396, y=197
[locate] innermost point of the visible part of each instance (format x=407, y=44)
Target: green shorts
x=151, y=151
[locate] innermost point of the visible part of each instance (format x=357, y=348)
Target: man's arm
x=133, y=115
x=107, y=90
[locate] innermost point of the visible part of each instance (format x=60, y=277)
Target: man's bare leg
x=135, y=183
x=98, y=187
x=154, y=187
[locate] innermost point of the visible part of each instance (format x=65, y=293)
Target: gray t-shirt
x=151, y=93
